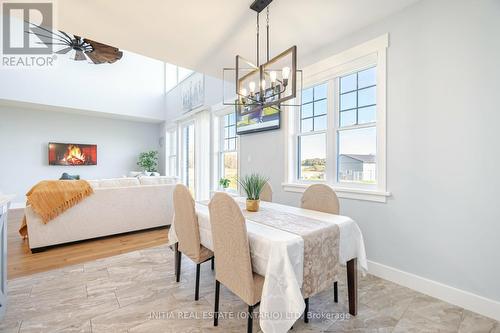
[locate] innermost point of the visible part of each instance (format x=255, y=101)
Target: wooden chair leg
x=250, y=319
x=306, y=311
x=197, y=288
x=335, y=292
x=213, y=263
x=216, y=306
x=178, y=257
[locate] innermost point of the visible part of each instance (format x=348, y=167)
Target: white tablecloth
x=279, y=256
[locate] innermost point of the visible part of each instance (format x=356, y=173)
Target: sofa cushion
x=119, y=182
x=157, y=180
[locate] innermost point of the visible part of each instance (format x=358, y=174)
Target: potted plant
x=252, y=185
x=224, y=183
x=148, y=161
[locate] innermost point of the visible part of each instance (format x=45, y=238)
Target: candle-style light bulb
x=273, y=76
x=243, y=95
x=251, y=85
x=285, y=72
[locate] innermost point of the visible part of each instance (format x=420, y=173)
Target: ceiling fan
x=84, y=48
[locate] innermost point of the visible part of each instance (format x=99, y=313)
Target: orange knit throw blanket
x=50, y=198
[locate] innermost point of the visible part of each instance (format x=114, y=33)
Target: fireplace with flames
x=72, y=154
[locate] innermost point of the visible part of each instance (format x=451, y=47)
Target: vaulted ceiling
x=206, y=35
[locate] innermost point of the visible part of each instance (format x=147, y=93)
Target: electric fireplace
x=72, y=154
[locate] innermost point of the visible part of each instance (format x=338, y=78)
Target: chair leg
x=306, y=311
x=178, y=268
x=250, y=319
x=197, y=288
x=213, y=263
x=335, y=292
x=216, y=306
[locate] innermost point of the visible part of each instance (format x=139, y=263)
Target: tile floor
x=136, y=292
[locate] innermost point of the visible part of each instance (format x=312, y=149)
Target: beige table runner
x=321, y=245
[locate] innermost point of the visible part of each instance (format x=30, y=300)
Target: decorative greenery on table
x=224, y=182
x=252, y=184
x=148, y=161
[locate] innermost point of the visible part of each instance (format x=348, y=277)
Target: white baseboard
x=475, y=303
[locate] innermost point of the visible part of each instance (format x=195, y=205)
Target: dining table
x=290, y=247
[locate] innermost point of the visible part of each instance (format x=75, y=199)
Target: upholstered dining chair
x=233, y=267
x=321, y=198
x=267, y=193
x=188, y=234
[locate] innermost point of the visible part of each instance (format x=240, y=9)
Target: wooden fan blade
x=95, y=58
x=103, y=52
x=79, y=55
x=65, y=50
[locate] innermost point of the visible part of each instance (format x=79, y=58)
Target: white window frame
x=219, y=111
x=366, y=55
x=298, y=133
x=201, y=119
x=182, y=151
x=171, y=133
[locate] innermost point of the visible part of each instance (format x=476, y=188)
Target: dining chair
x=188, y=234
x=267, y=193
x=322, y=198
x=233, y=267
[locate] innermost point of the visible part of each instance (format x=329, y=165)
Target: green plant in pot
x=224, y=183
x=148, y=161
x=252, y=185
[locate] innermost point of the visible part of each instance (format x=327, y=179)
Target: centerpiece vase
x=253, y=205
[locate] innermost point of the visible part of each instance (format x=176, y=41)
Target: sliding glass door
x=188, y=157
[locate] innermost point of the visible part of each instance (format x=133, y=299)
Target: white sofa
x=117, y=206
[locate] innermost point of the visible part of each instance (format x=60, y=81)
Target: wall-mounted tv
x=72, y=154
x=257, y=118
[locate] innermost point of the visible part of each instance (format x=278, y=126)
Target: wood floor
x=22, y=262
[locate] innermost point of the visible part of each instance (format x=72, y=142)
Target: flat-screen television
x=72, y=154
x=256, y=118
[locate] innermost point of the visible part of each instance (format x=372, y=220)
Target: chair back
x=321, y=198
x=186, y=222
x=267, y=193
x=233, y=266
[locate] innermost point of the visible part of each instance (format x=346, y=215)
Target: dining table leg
x=352, y=285
x=177, y=262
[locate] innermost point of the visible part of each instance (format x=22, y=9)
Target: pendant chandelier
x=269, y=84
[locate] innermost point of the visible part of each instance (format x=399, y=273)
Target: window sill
x=229, y=192
x=344, y=192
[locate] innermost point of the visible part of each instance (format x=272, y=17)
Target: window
x=311, y=139
x=357, y=128
x=228, y=150
x=174, y=75
x=183, y=73
x=188, y=157
x=337, y=136
x=171, y=152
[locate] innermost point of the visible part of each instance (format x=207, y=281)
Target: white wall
x=25, y=133
x=132, y=87
x=443, y=219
